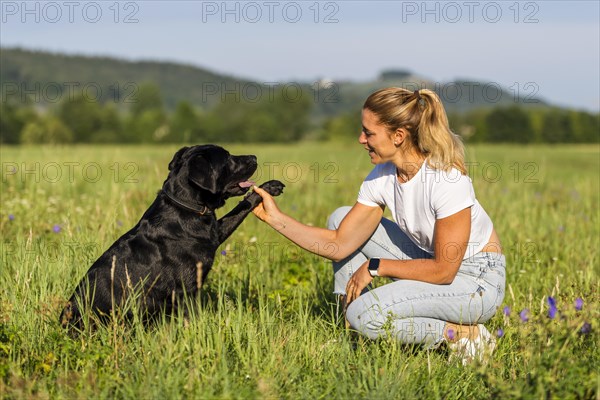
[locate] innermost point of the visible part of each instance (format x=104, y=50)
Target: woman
x=441, y=250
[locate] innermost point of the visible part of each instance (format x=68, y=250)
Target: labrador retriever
x=170, y=251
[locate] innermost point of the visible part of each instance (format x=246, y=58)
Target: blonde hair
x=422, y=114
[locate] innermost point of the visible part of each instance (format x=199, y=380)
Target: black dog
x=171, y=249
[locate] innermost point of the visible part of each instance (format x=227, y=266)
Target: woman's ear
x=399, y=135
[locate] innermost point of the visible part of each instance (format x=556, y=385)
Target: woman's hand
x=358, y=282
x=267, y=209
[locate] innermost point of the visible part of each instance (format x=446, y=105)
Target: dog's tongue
x=246, y=184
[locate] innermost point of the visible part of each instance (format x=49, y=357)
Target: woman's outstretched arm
x=358, y=225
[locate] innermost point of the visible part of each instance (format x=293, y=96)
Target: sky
x=547, y=49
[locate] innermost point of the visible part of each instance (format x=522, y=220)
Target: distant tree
x=147, y=122
x=557, y=127
x=290, y=109
x=50, y=130
x=111, y=130
x=343, y=126
x=475, y=124
x=510, y=124
x=461, y=126
x=261, y=126
x=13, y=119
x=148, y=98
x=586, y=126
x=279, y=116
x=184, y=125
x=227, y=121
x=82, y=116
x=590, y=127
x=210, y=126
x=148, y=127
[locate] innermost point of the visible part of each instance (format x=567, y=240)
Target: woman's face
x=376, y=139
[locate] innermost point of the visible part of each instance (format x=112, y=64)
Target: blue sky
x=550, y=47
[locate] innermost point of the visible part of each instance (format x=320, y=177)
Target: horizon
x=514, y=45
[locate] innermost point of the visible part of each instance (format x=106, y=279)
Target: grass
x=266, y=326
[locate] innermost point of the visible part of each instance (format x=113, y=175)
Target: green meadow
x=266, y=325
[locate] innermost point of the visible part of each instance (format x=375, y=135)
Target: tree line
x=279, y=117
x=512, y=124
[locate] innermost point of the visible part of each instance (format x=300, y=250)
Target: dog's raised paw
x=274, y=187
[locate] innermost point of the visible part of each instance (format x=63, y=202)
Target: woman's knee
x=368, y=321
x=336, y=217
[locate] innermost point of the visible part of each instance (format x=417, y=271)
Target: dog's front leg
x=229, y=222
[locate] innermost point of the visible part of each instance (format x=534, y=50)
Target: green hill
x=51, y=77
x=458, y=96
x=55, y=75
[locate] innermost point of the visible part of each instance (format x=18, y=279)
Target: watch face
x=373, y=266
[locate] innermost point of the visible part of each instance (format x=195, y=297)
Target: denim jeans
x=414, y=311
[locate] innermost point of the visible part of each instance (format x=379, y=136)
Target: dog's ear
x=177, y=157
x=202, y=173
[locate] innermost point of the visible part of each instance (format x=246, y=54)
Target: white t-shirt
x=430, y=195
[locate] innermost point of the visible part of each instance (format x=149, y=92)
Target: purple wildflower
x=578, y=304
x=450, y=333
x=119, y=222
x=223, y=253
x=506, y=311
x=524, y=315
x=56, y=228
x=11, y=217
x=586, y=328
x=552, y=310
x=500, y=332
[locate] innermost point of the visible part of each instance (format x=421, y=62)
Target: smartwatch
x=374, y=266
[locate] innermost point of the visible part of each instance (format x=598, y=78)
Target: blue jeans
x=414, y=311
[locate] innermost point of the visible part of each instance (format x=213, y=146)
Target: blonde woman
x=441, y=250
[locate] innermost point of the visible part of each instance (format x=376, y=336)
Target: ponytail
x=434, y=137
x=422, y=114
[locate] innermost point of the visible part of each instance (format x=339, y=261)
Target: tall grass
x=266, y=324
